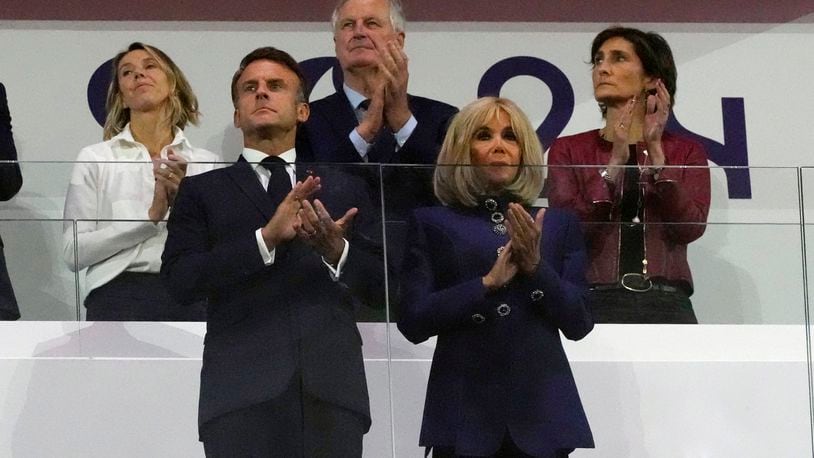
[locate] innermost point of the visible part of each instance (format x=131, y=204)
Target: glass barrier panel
x=38, y=276
x=807, y=214
x=733, y=265
x=33, y=231
x=213, y=266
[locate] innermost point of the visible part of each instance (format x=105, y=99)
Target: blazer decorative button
x=504, y=309
x=478, y=318
x=537, y=294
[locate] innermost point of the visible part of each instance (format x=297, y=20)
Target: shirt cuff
x=265, y=253
x=359, y=143
x=404, y=133
x=337, y=271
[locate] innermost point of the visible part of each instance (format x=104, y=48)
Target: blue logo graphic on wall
x=731, y=153
x=97, y=91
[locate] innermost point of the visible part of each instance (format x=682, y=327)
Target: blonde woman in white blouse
x=122, y=190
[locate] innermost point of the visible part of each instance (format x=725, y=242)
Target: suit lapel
x=246, y=180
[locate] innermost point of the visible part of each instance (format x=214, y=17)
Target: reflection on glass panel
x=31, y=226
x=404, y=189
x=738, y=264
x=807, y=199
x=44, y=287
x=739, y=273
x=117, y=209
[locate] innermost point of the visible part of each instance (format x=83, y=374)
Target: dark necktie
x=279, y=181
x=385, y=142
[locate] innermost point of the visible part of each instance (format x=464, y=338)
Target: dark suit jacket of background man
x=267, y=324
x=325, y=138
x=11, y=180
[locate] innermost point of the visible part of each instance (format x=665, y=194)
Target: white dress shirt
x=254, y=157
x=361, y=145
x=109, y=195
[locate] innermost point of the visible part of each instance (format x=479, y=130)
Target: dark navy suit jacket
x=332, y=119
x=324, y=138
x=11, y=180
x=268, y=324
x=494, y=372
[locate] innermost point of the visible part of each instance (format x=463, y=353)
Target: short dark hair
x=651, y=48
x=274, y=55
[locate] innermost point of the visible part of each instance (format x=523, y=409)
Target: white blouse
x=109, y=195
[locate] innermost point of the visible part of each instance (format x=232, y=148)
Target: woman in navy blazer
x=496, y=282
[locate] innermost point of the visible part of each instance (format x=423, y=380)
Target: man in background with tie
x=373, y=119
x=282, y=367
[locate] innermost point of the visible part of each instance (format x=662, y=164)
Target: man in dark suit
x=373, y=119
x=11, y=180
x=282, y=367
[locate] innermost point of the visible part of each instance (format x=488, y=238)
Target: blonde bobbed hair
x=183, y=105
x=458, y=183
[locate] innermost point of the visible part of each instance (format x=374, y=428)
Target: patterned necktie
x=279, y=181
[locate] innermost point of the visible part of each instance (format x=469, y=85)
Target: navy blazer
x=324, y=138
x=325, y=135
x=399, y=189
x=11, y=180
x=499, y=364
x=267, y=324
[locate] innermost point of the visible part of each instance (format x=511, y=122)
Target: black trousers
x=652, y=307
x=135, y=296
x=292, y=425
x=508, y=449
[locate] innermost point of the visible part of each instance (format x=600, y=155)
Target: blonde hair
x=183, y=105
x=462, y=186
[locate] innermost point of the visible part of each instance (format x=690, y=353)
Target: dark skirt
x=136, y=296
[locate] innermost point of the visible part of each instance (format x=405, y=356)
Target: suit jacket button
x=478, y=318
x=504, y=309
x=536, y=295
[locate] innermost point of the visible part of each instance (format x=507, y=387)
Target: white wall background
x=748, y=266
x=96, y=389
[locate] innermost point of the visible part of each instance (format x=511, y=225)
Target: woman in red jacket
x=640, y=206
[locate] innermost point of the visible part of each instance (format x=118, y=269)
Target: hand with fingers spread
x=281, y=227
x=503, y=271
x=525, y=233
x=168, y=174
x=317, y=229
